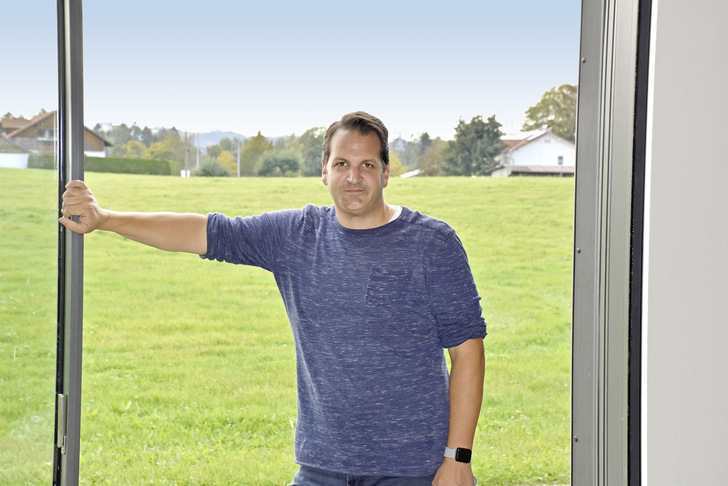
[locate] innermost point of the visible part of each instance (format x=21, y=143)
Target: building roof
x=19, y=131
x=22, y=131
x=517, y=140
x=13, y=124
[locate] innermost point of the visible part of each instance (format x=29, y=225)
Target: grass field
x=189, y=373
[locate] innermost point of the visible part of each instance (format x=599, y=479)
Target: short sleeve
x=252, y=240
x=453, y=296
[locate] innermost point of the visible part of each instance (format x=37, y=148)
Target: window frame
x=70, y=133
x=606, y=201
x=608, y=219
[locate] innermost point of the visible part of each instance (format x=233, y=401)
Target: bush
x=212, y=169
x=132, y=166
x=42, y=161
x=279, y=163
x=111, y=164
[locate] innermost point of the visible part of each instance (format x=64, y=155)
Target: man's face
x=356, y=176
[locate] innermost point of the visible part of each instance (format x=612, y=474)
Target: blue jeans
x=308, y=476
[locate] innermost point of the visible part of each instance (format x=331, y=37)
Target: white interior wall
x=685, y=402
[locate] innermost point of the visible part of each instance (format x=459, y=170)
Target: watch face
x=463, y=455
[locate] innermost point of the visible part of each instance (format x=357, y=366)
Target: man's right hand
x=78, y=200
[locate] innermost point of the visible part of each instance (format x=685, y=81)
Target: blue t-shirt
x=371, y=311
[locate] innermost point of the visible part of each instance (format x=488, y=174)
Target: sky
x=283, y=66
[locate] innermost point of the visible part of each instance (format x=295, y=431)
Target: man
x=374, y=293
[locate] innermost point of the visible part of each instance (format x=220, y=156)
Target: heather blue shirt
x=371, y=311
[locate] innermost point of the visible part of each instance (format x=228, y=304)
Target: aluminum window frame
x=607, y=243
x=67, y=438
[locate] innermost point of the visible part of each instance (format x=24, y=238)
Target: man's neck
x=380, y=218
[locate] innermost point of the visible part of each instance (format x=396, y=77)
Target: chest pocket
x=385, y=287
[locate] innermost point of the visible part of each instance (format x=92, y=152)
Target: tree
x=213, y=151
x=228, y=144
x=288, y=142
x=395, y=165
x=136, y=132
x=475, y=148
x=556, y=110
x=172, y=147
x=251, y=153
x=227, y=160
x=311, y=143
x=411, y=151
x=425, y=143
x=279, y=163
x=431, y=162
x=133, y=149
x=147, y=136
x=119, y=134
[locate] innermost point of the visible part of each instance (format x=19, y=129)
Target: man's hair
x=364, y=123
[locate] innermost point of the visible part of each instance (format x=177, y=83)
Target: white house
x=539, y=152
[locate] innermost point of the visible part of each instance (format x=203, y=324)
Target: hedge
x=132, y=166
x=108, y=164
x=42, y=161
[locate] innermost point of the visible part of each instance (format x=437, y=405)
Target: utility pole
x=187, y=156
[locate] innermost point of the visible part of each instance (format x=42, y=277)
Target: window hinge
x=61, y=420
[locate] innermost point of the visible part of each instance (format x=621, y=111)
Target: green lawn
x=189, y=373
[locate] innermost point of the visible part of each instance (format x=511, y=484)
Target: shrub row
x=41, y=161
x=115, y=165
x=132, y=166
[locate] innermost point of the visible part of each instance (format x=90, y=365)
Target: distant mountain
x=213, y=138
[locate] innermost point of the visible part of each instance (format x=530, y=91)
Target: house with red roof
x=20, y=138
x=536, y=153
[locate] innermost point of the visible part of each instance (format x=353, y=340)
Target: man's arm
x=166, y=231
x=466, y=397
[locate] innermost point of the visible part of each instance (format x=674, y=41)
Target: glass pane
x=189, y=368
x=28, y=242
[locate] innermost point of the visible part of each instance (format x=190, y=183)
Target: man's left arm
x=466, y=397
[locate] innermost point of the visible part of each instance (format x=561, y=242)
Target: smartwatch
x=459, y=454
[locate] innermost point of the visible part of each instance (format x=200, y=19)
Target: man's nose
x=353, y=175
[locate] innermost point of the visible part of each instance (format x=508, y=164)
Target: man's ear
x=385, y=180
x=324, y=175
